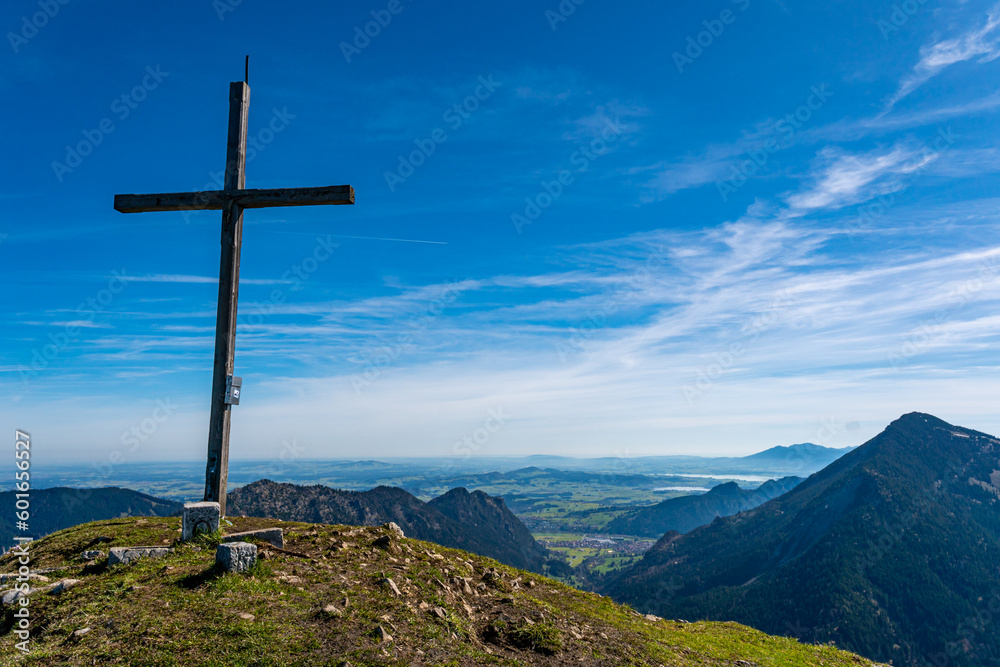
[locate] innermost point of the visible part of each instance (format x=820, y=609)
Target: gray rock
x=124, y=555
x=91, y=555
x=60, y=586
x=396, y=529
x=382, y=634
x=391, y=585
x=274, y=536
x=199, y=518
x=236, y=556
x=12, y=595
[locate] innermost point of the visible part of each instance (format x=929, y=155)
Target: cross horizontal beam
x=217, y=200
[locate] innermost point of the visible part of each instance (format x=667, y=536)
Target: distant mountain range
x=799, y=459
x=686, y=513
x=58, y=508
x=473, y=521
x=805, y=455
x=892, y=551
x=534, y=476
x=180, y=480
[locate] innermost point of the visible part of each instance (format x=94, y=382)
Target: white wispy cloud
x=828, y=339
x=615, y=116
x=82, y=324
x=981, y=42
x=843, y=178
x=182, y=278
x=689, y=172
x=714, y=163
x=601, y=362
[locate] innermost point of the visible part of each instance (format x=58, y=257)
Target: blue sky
x=626, y=230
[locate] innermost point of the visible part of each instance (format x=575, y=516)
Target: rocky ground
x=339, y=595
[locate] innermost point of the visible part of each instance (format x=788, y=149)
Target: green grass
x=181, y=610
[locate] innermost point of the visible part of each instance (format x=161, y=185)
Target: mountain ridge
x=862, y=553
x=56, y=508
x=685, y=513
x=494, y=531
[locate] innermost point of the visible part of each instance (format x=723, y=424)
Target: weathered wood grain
x=217, y=467
x=216, y=200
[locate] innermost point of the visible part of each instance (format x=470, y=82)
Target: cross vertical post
x=217, y=470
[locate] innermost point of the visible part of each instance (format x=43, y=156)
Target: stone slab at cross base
x=236, y=556
x=198, y=518
x=275, y=536
x=128, y=554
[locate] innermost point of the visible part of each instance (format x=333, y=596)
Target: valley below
x=823, y=545
x=567, y=509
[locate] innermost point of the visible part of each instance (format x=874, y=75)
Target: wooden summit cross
x=231, y=201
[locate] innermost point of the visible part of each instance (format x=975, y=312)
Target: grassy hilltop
x=330, y=603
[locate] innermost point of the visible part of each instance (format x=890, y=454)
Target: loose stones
x=274, y=536
x=236, y=556
x=120, y=555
